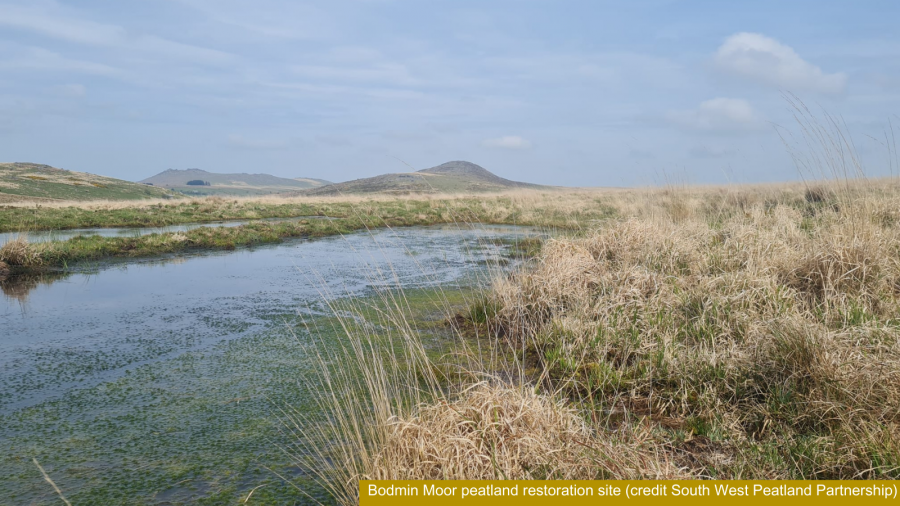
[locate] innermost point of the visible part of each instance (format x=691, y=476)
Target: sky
x=576, y=93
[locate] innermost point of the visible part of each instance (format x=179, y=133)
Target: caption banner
x=657, y=492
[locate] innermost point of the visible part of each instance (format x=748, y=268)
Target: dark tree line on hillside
x=198, y=182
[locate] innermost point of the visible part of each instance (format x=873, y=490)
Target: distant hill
x=229, y=184
x=36, y=182
x=313, y=181
x=451, y=177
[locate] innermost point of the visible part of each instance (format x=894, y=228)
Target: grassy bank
x=565, y=207
x=544, y=210
x=576, y=211
x=154, y=214
x=742, y=333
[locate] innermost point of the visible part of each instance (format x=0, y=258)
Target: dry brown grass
x=18, y=252
x=282, y=199
x=728, y=332
x=495, y=431
x=770, y=326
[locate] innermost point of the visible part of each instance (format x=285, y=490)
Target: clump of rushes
x=759, y=341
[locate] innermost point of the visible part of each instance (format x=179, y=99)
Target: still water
x=153, y=382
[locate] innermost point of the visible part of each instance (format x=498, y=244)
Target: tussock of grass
x=701, y=332
x=502, y=432
x=395, y=410
x=769, y=333
x=19, y=252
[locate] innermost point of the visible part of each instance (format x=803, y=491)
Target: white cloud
x=730, y=114
x=169, y=49
x=768, y=61
x=507, y=142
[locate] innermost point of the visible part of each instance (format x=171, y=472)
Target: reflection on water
x=18, y=286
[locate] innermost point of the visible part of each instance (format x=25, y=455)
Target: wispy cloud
x=37, y=17
x=718, y=114
x=51, y=19
x=507, y=142
x=269, y=18
x=765, y=60
x=36, y=58
x=427, y=82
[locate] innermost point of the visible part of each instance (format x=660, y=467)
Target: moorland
x=679, y=332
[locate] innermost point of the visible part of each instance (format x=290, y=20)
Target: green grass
x=353, y=217
x=159, y=215
x=544, y=212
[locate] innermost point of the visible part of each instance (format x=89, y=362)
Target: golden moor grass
x=18, y=252
x=495, y=431
x=732, y=332
x=698, y=332
x=769, y=327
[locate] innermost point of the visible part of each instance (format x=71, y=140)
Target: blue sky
x=585, y=93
